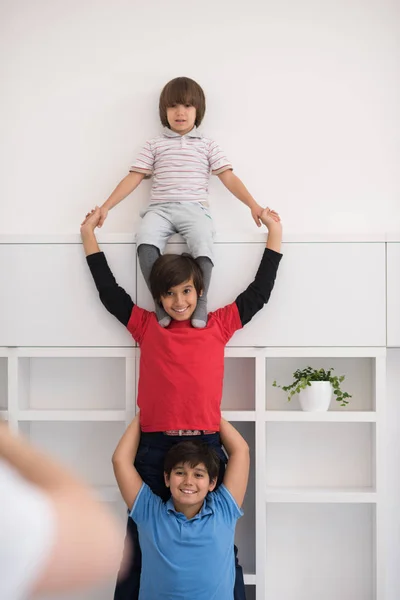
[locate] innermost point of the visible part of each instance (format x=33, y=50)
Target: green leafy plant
x=304, y=377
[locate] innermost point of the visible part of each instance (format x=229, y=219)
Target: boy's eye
x=187, y=291
x=188, y=105
x=169, y=294
x=199, y=475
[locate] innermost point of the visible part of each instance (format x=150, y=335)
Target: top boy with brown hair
x=180, y=161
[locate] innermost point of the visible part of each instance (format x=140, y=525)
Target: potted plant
x=315, y=388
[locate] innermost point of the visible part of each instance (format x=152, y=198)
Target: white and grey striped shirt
x=180, y=165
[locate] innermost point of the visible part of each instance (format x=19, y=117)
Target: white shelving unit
x=314, y=515
x=302, y=455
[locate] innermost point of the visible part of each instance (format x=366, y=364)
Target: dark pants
x=150, y=466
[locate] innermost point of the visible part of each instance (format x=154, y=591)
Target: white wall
x=302, y=94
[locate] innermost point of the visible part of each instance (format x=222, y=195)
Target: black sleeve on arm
x=116, y=300
x=257, y=294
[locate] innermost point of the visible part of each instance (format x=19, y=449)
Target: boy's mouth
x=180, y=310
x=188, y=491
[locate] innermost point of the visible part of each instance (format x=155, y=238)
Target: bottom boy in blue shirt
x=187, y=542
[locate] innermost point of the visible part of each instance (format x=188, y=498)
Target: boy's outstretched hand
x=269, y=217
x=91, y=220
x=88, y=226
x=256, y=211
x=272, y=221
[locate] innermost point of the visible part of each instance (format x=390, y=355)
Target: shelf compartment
x=72, y=383
x=239, y=384
x=250, y=590
x=359, y=381
x=84, y=447
x=328, y=550
x=320, y=455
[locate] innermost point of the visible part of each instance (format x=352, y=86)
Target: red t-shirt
x=182, y=369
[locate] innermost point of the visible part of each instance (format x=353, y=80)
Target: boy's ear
x=166, y=479
x=213, y=483
x=200, y=293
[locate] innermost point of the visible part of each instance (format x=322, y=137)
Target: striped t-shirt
x=180, y=165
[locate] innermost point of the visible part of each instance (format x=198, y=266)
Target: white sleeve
x=217, y=160
x=144, y=162
x=27, y=531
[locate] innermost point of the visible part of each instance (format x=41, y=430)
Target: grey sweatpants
x=192, y=220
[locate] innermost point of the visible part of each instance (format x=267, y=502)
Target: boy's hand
x=91, y=221
x=103, y=215
x=270, y=218
x=256, y=212
x=272, y=222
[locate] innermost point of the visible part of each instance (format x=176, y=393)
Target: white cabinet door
x=48, y=297
x=393, y=294
x=326, y=294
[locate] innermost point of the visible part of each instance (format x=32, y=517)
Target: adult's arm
x=87, y=541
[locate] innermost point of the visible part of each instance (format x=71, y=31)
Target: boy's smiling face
x=181, y=118
x=189, y=486
x=180, y=301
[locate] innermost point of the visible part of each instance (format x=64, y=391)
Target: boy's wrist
x=252, y=204
x=87, y=233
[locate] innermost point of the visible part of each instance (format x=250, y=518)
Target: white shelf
x=296, y=416
x=79, y=352
x=222, y=237
x=306, y=352
x=321, y=495
x=250, y=578
x=239, y=415
x=71, y=415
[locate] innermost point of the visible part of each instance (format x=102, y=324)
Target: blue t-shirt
x=184, y=558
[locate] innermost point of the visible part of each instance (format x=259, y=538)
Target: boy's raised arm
x=88, y=236
x=128, y=479
x=123, y=189
x=258, y=292
x=237, y=470
x=116, y=300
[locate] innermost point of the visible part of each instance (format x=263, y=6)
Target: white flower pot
x=317, y=397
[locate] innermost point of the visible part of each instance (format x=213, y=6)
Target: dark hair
x=173, y=269
x=192, y=453
x=182, y=90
